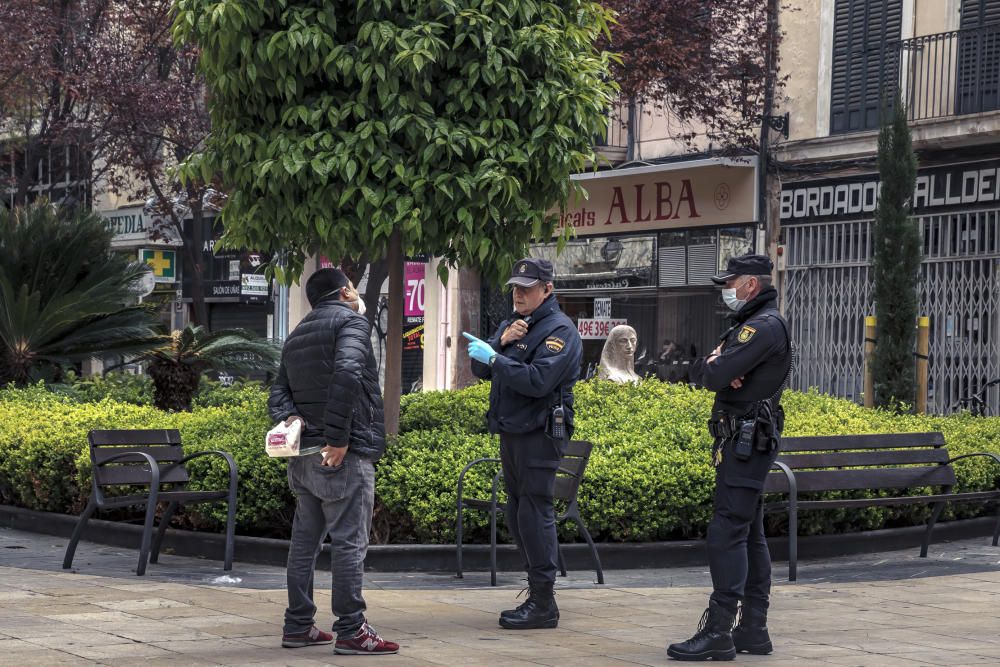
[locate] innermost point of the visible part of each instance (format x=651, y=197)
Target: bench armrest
x=793, y=486
x=461, y=475
x=233, y=473
x=969, y=456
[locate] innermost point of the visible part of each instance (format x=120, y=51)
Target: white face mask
x=362, y=309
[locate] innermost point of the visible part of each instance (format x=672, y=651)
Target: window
x=866, y=41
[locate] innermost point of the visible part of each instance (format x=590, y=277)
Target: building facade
x=942, y=59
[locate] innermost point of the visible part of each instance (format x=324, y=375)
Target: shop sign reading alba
x=678, y=195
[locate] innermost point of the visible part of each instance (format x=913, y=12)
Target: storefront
x=828, y=282
x=154, y=240
x=237, y=293
x=648, y=240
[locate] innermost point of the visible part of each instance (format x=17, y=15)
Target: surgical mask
x=362, y=309
x=729, y=296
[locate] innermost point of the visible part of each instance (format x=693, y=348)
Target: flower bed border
x=441, y=557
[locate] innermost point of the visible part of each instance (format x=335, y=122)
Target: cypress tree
x=896, y=267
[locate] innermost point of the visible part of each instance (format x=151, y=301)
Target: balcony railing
x=951, y=73
x=939, y=76
x=618, y=135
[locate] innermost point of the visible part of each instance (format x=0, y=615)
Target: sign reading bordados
x=655, y=198
x=938, y=189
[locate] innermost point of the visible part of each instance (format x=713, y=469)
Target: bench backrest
x=164, y=445
x=850, y=462
x=572, y=467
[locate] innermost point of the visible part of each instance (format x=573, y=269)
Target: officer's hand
x=479, y=350
x=737, y=383
x=515, y=331
x=333, y=456
x=715, y=354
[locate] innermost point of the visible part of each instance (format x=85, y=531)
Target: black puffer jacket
x=329, y=378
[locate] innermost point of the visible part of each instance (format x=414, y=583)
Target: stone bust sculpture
x=618, y=357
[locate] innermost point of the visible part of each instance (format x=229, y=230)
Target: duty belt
x=723, y=426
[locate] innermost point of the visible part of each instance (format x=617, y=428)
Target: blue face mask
x=729, y=296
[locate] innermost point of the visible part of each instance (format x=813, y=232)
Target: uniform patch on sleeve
x=555, y=344
x=745, y=334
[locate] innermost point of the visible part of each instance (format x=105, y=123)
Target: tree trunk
x=377, y=273
x=394, y=346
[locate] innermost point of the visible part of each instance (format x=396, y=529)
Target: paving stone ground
x=883, y=609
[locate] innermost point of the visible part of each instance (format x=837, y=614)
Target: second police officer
x=533, y=361
x=748, y=371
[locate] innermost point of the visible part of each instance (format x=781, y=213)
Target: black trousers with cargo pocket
x=738, y=556
x=529, y=464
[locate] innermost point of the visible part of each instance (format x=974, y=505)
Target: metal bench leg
x=458, y=541
x=593, y=548
x=230, y=532
x=562, y=561
x=147, y=534
x=78, y=531
x=996, y=531
x=493, y=545
x=793, y=541
x=168, y=514
x=930, y=528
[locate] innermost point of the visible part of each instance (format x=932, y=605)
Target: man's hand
x=294, y=418
x=333, y=456
x=737, y=383
x=515, y=331
x=715, y=354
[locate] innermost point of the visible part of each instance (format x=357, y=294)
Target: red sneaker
x=365, y=642
x=311, y=637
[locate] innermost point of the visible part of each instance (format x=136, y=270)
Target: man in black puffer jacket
x=329, y=380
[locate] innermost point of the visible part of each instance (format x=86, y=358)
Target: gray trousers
x=335, y=501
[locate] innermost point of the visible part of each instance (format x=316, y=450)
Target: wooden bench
x=898, y=461
x=148, y=458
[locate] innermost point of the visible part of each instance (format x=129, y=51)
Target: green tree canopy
x=454, y=122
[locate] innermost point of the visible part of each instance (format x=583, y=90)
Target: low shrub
x=649, y=477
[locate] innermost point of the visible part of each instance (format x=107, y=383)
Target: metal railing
x=619, y=134
x=951, y=73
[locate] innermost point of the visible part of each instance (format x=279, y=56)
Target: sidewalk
x=885, y=609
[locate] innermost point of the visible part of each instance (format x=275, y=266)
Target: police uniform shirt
x=755, y=349
x=531, y=375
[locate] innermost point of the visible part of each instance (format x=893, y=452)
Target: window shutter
x=865, y=61
x=978, y=57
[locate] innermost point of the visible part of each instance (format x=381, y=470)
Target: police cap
x=745, y=265
x=530, y=271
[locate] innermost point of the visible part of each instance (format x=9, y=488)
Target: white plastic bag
x=283, y=440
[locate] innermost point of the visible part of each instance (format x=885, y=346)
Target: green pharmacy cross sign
x=163, y=263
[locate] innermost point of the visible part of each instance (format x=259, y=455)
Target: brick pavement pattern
x=885, y=610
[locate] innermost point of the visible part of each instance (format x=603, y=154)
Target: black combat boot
x=520, y=607
x=750, y=634
x=539, y=611
x=713, y=641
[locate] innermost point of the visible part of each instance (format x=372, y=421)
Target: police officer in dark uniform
x=748, y=371
x=533, y=361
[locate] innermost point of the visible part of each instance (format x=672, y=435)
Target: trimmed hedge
x=649, y=477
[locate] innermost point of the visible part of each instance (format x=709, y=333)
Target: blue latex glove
x=479, y=350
